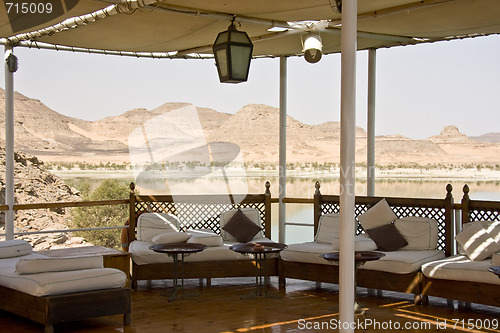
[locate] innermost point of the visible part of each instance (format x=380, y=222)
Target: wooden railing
x=466, y=211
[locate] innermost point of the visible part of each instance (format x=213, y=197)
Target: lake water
x=300, y=187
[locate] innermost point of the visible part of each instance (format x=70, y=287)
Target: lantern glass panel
x=222, y=62
x=239, y=37
x=240, y=61
x=222, y=37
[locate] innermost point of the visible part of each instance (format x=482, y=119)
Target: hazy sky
x=420, y=89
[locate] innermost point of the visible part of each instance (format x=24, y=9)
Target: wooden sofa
x=49, y=303
x=51, y=310
x=465, y=290
x=199, y=212
x=438, y=209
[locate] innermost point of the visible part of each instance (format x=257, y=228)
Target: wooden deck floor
x=303, y=308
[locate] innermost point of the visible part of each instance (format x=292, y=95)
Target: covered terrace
x=186, y=29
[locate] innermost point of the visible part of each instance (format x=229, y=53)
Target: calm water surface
x=304, y=188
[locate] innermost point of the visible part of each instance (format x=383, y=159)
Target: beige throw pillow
x=378, y=215
x=476, y=242
x=170, y=238
x=328, y=229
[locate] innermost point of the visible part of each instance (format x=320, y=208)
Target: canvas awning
x=190, y=26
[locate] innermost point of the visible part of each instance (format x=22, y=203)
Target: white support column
x=9, y=146
x=282, y=148
x=347, y=164
x=370, y=127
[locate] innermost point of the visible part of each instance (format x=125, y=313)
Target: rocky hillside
x=255, y=129
x=33, y=184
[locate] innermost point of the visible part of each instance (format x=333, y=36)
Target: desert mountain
x=488, y=137
x=255, y=129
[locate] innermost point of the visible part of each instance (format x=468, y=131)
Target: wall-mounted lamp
x=232, y=51
x=313, y=47
x=12, y=63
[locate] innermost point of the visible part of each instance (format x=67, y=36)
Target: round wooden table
x=260, y=252
x=173, y=251
x=360, y=258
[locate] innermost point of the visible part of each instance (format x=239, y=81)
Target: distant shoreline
x=390, y=174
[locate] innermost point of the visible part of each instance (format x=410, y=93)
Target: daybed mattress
x=461, y=268
x=142, y=255
x=56, y=283
x=403, y=261
x=400, y=262
x=307, y=252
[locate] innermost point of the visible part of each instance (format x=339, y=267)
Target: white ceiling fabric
x=181, y=27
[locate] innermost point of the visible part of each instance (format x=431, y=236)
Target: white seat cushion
x=58, y=283
x=460, y=268
x=141, y=254
x=204, y=236
x=307, y=252
x=15, y=248
x=361, y=243
x=403, y=262
x=421, y=233
x=42, y=265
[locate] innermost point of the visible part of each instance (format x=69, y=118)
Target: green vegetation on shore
x=101, y=216
x=305, y=166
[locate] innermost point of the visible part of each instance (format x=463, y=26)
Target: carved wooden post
x=132, y=215
x=267, y=207
x=465, y=205
x=317, y=207
x=449, y=221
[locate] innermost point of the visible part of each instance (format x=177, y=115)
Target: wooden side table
x=360, y=258
x=112, y=258
x=260, y=252
x=174, y=250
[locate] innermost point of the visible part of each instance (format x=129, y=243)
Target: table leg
x=174, y=292
x=358, y=308
x=264, y=275
x=182, y=274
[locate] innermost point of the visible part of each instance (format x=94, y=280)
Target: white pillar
x=370, y=127
x=9, y=146
x=282, y=153
x=347, y=163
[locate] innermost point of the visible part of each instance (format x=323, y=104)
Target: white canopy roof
x=177, y=28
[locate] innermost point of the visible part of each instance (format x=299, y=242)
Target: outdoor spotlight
x=313, y=48
x=12, y=63
x=232, y=51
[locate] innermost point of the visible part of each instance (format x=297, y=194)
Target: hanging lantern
x=233, y=52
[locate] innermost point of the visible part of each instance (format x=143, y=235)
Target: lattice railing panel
x=484, y=215
x=194, y=215
x=400, y=211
